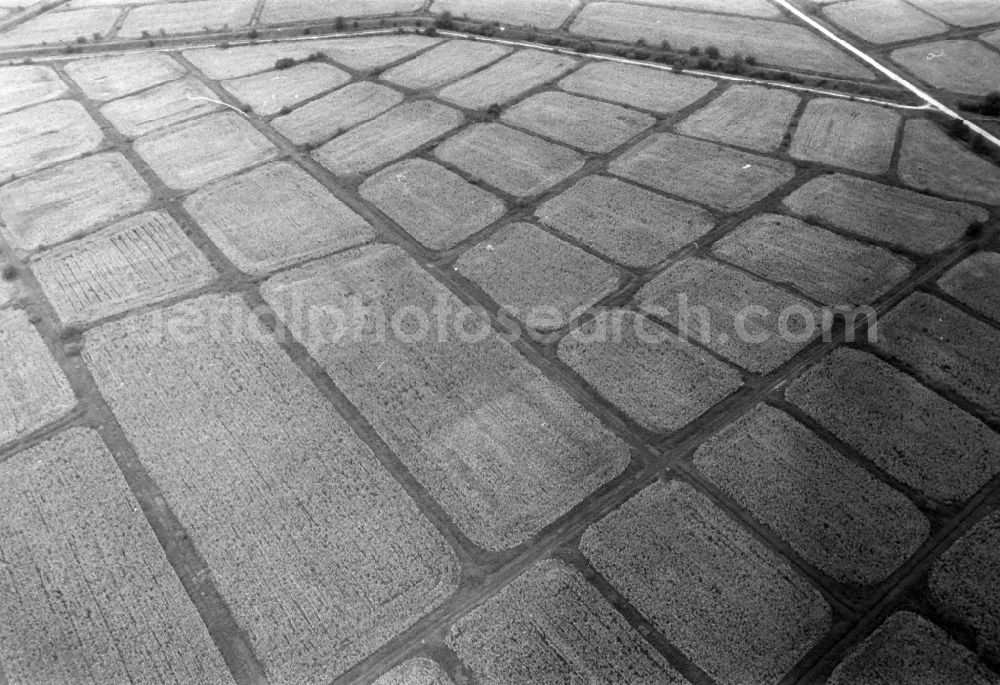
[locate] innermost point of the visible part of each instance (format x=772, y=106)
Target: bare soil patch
x=160, y=107
x=635, y=86
x=59, y=27
x=187, y=17
x=107, y=78
x=976, y=282
x=268, y=93
x=545, y=14
x=745, y=116
x=884, y=21
x=28, y=85
x=322, y=119
x=959, y=66
x=507, y=79
x=444, y=64
x=930, y=160
x=848, y=134
x=42, y=135
x=288, y=11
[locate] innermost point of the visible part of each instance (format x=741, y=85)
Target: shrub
x=712, y=52
x=494, y=110
x=9, y=272
x=97, y=35
x=641, y=54
x=641, y=43
x=751, y=60
x=339, y=24
x=285, y=63
x=665, y=45
x=975, y=229
x=355, y=23
x=431, y=31
x=585, y=46
x=694, y=51
x=706, y=63
x=957, y=128
x=285, y=111
x=81, y=39
x=679, y=65
x=445, y=21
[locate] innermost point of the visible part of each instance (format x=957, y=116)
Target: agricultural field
x=967, y=13
x=960, y=66
x=853, y=135
x=883, y=21
x=371, y=354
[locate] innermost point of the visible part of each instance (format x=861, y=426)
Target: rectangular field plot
x=831, y=511
x=57, y=27
x=28, y=85
x=846, y=134
x=288, y=11
x=583, y=123
x=187, y=17
x=659, y=380
x=507, y=79
x=772, y=42
x=724, y=293
x=735, y=608
x=320, y=120
x=883, y=21
x=319, y=554
x=963, y=13
x=107, y=78
x=896, y=217
x=160, y=107
x=907, y=430
x=514, y=162
x=545, y=14
x=444, y=64
x=59, y=203
x=550, y=625
x=419, y=671
x=73, y=531
x=976, y=283
x=34, y=391
x=434, y=205
x=374, y=52
x=389, y=137
x=135, y=262
x=960, y=66
x=947, y=347
x=188, y=155
x=635, y=86
x=269, y=92
x=745, y=116
x=500, y=447
x=275, y=216
x=721, y=177
x=630, y=225
x=43, y=135
x=930, y=160
x=823, y=265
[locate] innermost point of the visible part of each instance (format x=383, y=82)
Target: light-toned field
x=472, y=436
x=514, y=162
x=187, y=17
x=388, y=137
x=374, y=52
x=58, y=27
x=883, y=21
x=445, y=63
x=190, y=154
x=822, y=265
x=136, y=262
x=771, y=42
x=524, y=633
x=42, y=135
x=916, y=222
x=268, y=93
x=960, y=66
x=641, y=375
x=847, y=134
x=107, y=78
x=635, y=86
x=73, y=531
x=70, y=199
x=526, y=270
x=419, y=671
x=28, y=85
x=288, y=11
x=434, y=205
x=632, y=226
x=946, y=346
x=909, y=647
x=33, y=391
x=966, y=13
x=732, y=606
x=746, y=116
x=930, y=160
x=318, y=121
x=160, y=107
x=993, y=38
x=963, y=583
x=835, y=514
x=746, y=8
x=507, y=79
x=586, y=124
x=241, y=215
x=721, y=177
x=214, y=417
x=901, y=426
x=976, y=282
x=724, y=293
x=545, y=14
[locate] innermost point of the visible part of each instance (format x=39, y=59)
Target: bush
x=694, y=51
x=751, y=60
x=712, y=52
x=641, y=54
x=494, y=110
x=339, y=24
x=665, y=45
x=956, y=128
x=285, y=63
x=641, y=43
x=9, y=272
x=585, y=46
x=706, y=63
x=81, y=39
x=679, y=65
x=431, y=31
x=975, y=229
x=445, y=21
x=285, y=111
x=97, y=35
